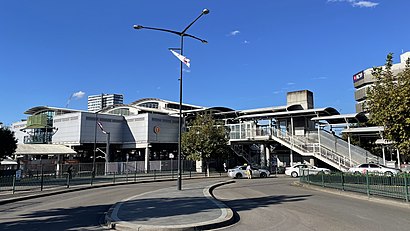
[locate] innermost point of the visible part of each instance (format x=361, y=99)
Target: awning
x=8, y=162
x=384, y=142
x=43, y=149
x=343, y=119
x=287, y=114
x=365, y=131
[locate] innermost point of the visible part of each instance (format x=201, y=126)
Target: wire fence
x=396, y=186
x=47, y=177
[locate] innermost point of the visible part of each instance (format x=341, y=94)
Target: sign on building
x=358, y=76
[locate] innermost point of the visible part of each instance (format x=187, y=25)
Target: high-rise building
x=364, y=79
x=98, y=102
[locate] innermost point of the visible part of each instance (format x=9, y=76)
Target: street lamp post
x=181, y=34
x=94, y=148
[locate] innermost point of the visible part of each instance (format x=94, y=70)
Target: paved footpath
x=192, y=208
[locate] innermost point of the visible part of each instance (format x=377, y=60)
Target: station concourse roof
x=343, y=119
x=368, y=131
x=39, y=109
x=292, y=113
x=43, y=149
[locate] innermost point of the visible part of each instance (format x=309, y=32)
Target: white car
x=304, y=169
x=373, y=168
x=240, y=172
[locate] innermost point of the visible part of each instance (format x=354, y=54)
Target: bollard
x=92, y=178
x=135, y=175
x=323, y=180
x=14, y=184
x=406, y=188
x=367, y=184
x=42, y=179
x=68, y=181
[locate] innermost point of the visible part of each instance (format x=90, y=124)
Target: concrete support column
x=58, y=167
x=263, y=155
x=312, y=161
x=350, y=151
x=199, y=167
x=146, y=160
x=291, y=157
x=384, y=155
x=398, y=158
x=267, y=155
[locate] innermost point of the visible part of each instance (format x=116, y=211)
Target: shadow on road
x=76, y=218
x=88, y=217
x=251, y=203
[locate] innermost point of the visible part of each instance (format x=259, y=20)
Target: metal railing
x=331, y=148
x=303, y=144
x=82, y=176
x=371, y=184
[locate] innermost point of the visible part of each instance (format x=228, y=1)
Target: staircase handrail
x=305, y=146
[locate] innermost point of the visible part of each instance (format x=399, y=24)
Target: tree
x=205, y=140
x=389, y=104
x=8, y=143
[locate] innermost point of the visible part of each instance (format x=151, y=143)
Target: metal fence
x=46, y=177
x=371, y=184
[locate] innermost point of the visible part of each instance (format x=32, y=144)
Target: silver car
x=240, y=172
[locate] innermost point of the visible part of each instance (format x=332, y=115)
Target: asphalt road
x=82, y=210
x=261, y=204
x=275, y=204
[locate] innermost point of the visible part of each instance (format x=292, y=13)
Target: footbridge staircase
x=319, y=144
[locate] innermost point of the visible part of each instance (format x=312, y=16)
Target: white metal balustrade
x=309, y=145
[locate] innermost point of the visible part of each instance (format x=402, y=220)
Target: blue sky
x=257, y=51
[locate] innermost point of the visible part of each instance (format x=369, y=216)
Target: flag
x=182, y=58
x=101, y=126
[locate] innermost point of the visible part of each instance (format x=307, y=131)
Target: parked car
x=240, y=172
x=300, y=169
x=373, y=168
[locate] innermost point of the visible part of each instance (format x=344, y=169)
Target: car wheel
x=294, y=174
x=388, y=173
x=238, y=176
x=357, y=173
x=263, y=175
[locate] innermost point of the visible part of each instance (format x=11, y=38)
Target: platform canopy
x=343, y=119
x=365, y=131
x=43, y=149
x=292, y=113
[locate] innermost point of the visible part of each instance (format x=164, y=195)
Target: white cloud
x=246, y=42
x=357, y=3
x=366, y=4
x=291, y=83
x=78, y=95
x=234, y=33
x=320, y=78
x=186, y=70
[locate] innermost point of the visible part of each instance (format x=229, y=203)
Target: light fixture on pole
x=182, y=34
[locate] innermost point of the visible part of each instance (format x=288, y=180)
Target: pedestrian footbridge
x=320, y=144
x=292, y=133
